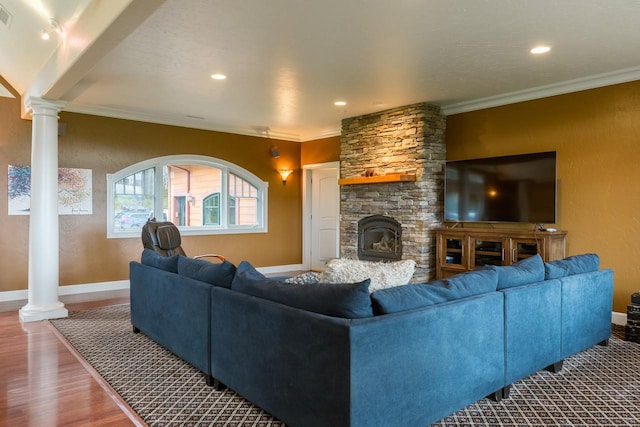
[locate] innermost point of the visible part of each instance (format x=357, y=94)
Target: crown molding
x=576, y=85
x=194, y=123
x=324, y=134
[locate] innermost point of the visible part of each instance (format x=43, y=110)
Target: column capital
x=43, y=106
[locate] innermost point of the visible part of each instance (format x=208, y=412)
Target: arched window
x=201, y=195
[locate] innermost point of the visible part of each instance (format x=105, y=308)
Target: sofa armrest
x=587, y=301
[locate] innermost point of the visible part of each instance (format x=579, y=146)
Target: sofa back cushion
x=408, y=297
x=529, y=270
x=218, y=274
x=154, y=259
x=347, y=300
x=569, y=266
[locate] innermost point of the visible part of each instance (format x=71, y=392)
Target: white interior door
x=325, y=216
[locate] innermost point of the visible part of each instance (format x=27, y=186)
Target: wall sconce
x=191, y=199
x=45, y=34
x=284, y=174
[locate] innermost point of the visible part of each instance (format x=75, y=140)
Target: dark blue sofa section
x=174, y=309
x=406, y=368
x=318, y=355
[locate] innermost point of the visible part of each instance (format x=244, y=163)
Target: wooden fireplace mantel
x=377, y=179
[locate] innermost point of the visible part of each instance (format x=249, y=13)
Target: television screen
x=520, y=188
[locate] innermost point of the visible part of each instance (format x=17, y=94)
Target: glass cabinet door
x=488, y=252
x=454, y=252
x=525, y=248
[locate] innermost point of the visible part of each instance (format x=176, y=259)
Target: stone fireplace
x=392, y=165
x=379, y=239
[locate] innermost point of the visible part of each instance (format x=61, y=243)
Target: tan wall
x=320, y=151
x=107, y=145
x=596, y=134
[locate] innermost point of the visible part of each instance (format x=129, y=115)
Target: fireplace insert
x=379, y=239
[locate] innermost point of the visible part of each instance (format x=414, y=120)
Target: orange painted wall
x=320, y=151
x=107, y=145
x=596, y=134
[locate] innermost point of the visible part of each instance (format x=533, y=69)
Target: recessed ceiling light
x=218, y=76
x=340, y=103
x=540, y=49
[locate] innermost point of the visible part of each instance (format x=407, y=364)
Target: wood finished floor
x=43, y=383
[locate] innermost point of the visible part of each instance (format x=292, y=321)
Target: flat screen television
x=519, y=188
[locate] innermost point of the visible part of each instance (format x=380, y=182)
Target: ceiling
x=288, y=61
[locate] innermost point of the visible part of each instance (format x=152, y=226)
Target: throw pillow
x=408, y=297
x=309, y=278
x=218, y=274
x=382, y=274
x=529, y=270
x=154, y=259
x=578, y=264
x=553, y=270
x=347, y=300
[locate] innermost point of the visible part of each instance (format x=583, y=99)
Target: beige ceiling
x=287, y=61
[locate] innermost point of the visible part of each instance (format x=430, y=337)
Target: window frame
x=191, y=159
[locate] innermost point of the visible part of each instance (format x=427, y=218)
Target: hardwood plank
x=43, y=383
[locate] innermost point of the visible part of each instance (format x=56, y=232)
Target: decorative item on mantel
x=371, y=177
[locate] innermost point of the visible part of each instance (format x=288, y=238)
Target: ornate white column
x=43, y=300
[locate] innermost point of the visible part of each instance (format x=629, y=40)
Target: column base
x=31, y=313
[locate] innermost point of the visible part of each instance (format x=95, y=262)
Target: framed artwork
x=74, y=191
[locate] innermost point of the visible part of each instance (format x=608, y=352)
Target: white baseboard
x=13, y=295
x=93, y=287
x=69, y=290
x=8, y=296
x=276, y=269
x=619, y=318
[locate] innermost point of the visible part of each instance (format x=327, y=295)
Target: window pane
x=243, y=202
x=232, y=211
x=133, y=200
x=187, y=188
x=211, y=209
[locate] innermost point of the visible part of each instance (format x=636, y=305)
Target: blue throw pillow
x=218, y=274
x=154, y=259
x=347, y=300
x=408, y=297
x=529, y=270
x=577, y=264
x=552, y=270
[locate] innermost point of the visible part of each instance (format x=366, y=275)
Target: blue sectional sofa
x=334, y=354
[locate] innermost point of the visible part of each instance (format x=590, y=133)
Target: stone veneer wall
x=407, y=139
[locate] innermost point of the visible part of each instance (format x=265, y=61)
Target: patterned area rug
x=160, y=387
x=597, y=387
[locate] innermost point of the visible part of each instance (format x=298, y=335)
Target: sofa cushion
x=576, y=264
x=347, y=300
x=529, y=270
x=154, y=259
x=408, y=297
x=555, y=271
x=218, y=274
x=382, y=274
